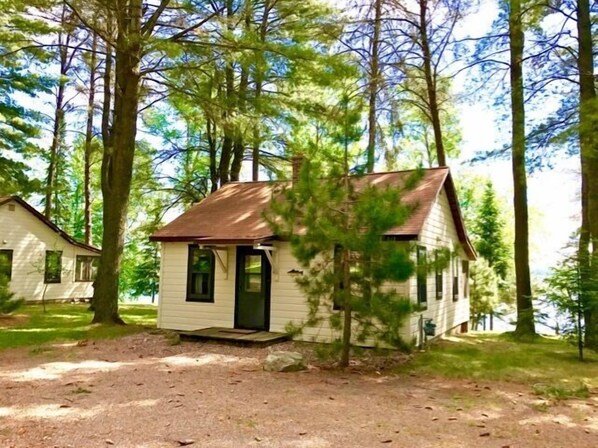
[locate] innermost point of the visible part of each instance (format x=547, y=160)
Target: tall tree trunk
x=525, y=310
x=430, y=76
x=373, y=87
x=228, y=126
x=346, y=254
x=107, y=99
x=88, y=142
x=239, y=145
x=588, y=129
x=58, y=130
x=210, y=132
x=258, y=78
x=117, y=162
x=255, y=153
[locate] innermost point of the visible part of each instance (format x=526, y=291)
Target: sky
x=553, y=196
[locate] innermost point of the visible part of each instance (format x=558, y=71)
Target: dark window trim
x=439, y=278
x=465, y=270
x=456, y=268
x=205, y=298
x=92, y=258
x=422, y=276
x=10, y=253
x=47, y=278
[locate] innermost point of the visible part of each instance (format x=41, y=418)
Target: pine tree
x=489, y=235
x=19, y=76
x=483, y=297
x=341, y=245
x=8, y=303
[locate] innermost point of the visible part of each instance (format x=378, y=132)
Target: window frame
x=422, y=275
x=465, y=272
x=439, y=278
x=91, y=260
x=456, y=266
x=47, y=278
x=10, y=253
x=209, y=296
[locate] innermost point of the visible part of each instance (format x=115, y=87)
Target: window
x=253, y=273
x=86, y=268
x=6, y=263
x=456, y=268
x=465, y=269
x=53, y=268
x=422, y=276
x=439, y=279
x=200, y=275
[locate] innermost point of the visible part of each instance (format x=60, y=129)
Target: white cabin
x=221, y=266
x=41, y=260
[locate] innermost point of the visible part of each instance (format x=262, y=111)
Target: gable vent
x=11, y=207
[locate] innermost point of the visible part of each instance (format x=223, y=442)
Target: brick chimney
x=297, y=163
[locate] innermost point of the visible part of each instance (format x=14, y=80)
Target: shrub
x=8, y=303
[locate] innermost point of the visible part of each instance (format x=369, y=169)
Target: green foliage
x=546, y=361
x=489, y=240
x=562, y=392
x=483, y=295
x=492, y=275
x=8, y=303
x=565, y=291
x=416, y=144
x=20, y=124
x=335, y=226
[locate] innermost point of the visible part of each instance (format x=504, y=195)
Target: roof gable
x=47, y=222
x=234, y=213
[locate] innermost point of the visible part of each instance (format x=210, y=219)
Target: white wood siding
x=288, y=304
x=29, y=239
x=175, y=312
x=439, y=231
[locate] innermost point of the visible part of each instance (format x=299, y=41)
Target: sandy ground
x=142, y=392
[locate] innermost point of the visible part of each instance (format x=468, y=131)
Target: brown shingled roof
x=234, y=214
x=47, y=222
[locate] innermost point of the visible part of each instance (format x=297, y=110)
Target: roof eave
x=49, y=223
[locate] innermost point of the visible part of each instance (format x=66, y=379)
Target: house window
x=53, y=267
x=456, y=278
x=439, y=277
x=422, y=276
x=86, y=268
x=253, y=273
x=200, y=275
x=6, y=263
x=465, y=270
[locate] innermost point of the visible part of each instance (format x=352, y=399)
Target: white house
x=41, y=259
x=222, y=266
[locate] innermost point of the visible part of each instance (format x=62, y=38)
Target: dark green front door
x=252, y=310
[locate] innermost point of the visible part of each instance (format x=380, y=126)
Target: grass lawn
x=549, y=365
x=30, y=326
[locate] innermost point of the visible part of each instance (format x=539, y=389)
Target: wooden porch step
x=235, y=336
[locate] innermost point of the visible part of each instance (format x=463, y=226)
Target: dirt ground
x=140, y=391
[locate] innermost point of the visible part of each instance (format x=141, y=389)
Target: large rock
x=284, y=362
